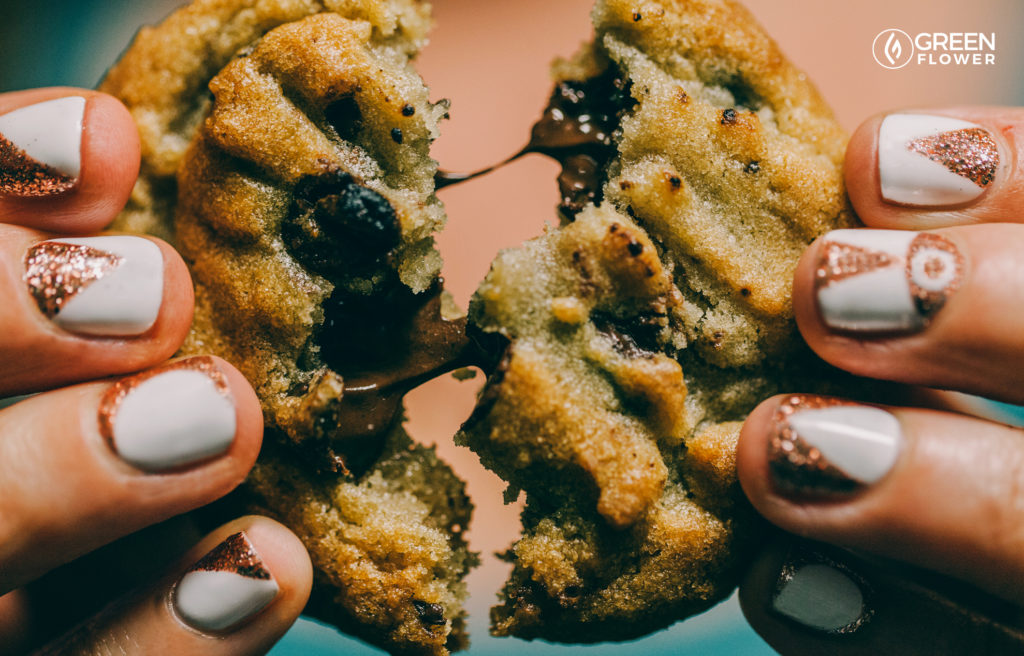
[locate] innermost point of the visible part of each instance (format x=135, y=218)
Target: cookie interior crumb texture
x=642, y=331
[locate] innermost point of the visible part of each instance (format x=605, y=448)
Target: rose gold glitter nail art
x=797, y=466
x=837, y=262
x=113, y=397
x=55, y=272
x=970, y=153
x=21, y=175
x=934, y=268
x=235, y=554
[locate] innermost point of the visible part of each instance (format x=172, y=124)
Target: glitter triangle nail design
x=41, y=147
x=822, y=445
x=970, y=153
x=56, y=272
x=225, y=587
x=22, y=175
x=236, y=555
x=884, y=280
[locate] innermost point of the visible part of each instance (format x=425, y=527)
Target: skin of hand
x=118, y=440
x=928, y=294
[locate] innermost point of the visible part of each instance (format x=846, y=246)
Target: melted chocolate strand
x=577, y=129
x=384, y=345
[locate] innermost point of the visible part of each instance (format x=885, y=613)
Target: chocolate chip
x=429, y=614
x=753, y=167
x=635, y=248
x=728, y=116
x=637, y=16
x=397, y=136
x=675, y=181
x=634, y=337
x=408, y=110
x=744, y=292
x=338, y=225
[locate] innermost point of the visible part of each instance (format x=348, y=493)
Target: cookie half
x=698, y=164
x=286, y=156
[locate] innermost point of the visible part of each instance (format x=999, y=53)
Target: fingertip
x=249, y=417
x=105, y=151
x=861, y=167
x=751, y=450
x=256, y=547
x=287, y=558
x=111, y=156
x=176, y=308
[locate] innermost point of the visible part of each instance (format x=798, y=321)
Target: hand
x=85, y=463
x=937, y=490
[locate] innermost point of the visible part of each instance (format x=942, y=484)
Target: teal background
x=72, y=43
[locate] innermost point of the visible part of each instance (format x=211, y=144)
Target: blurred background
x=491, y=59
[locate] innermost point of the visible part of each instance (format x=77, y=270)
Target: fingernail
x=41, y=147
x=105, y=286
x=225, y=587
x=820, y=594
x=884, y=280
x=934, y=160
x=169, y=417
x=822, y=445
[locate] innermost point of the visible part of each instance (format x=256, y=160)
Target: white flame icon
x=893, y=48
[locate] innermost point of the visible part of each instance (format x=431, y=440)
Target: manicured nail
x=106, y=286
x=41, y=147
x=820, y=594
x=822, y=445
x=934, y=160
x=169, y=417
x=884, y=280
x=225, y=587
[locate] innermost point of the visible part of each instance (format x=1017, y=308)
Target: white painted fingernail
x=107, y=286
x=825, y=445
x=225, y=587
x=934, y=160
x=170, y=417
x=820, y=597
x=884, y=280
x=41, y=147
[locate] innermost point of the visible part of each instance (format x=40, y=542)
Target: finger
x=237, y=592
x=68, y=595
x=808, y=598
x=920, y=170
x=934, y=489
x=938, y=309
x=83, y=308
x=82, y=466
x=68, y=159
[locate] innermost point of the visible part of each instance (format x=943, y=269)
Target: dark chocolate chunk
x=397, y=136
x=408, y=110
x=337, y=223
x=429, y=614
x=728, y=116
